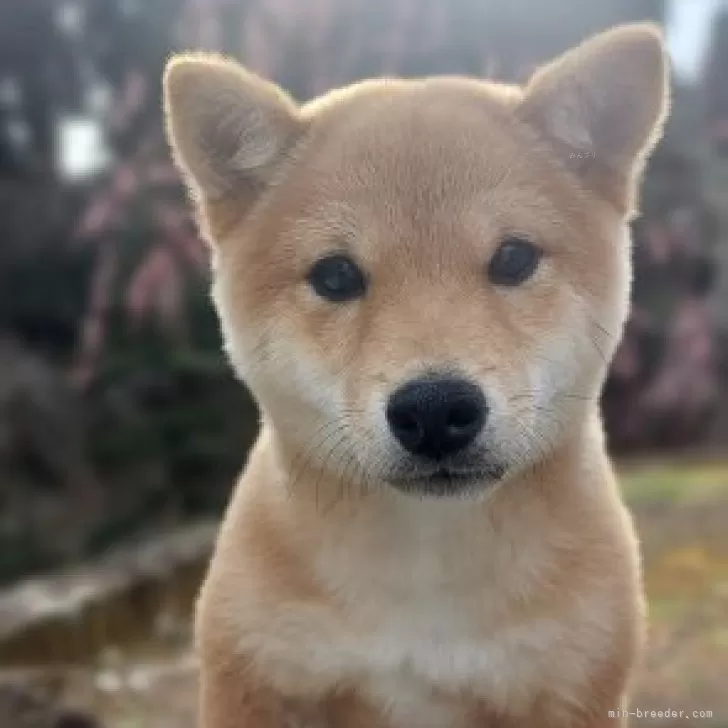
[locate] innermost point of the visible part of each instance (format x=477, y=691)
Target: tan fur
x=332, y=599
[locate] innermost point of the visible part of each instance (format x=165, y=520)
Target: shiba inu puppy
x=422, y=282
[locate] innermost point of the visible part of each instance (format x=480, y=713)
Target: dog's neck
x=382, y=533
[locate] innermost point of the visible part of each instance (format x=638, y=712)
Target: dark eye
x=514, y=262
x=337, y=278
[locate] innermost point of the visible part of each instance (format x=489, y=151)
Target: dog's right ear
x=602, y=106
x=227, y=127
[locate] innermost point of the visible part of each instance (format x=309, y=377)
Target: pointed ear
x=602, y=106
x=228, y=128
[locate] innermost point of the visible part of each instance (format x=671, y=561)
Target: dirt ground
x=682, y=514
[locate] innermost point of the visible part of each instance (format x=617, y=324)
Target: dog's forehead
x=419, y=135
x=441, y=160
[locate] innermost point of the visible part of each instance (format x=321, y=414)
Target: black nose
x=436, y=417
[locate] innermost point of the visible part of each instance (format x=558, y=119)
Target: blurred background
x=121, y=428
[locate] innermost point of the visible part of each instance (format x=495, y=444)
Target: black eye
x=337, y=278
x=514, y=262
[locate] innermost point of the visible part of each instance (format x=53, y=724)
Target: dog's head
x=423, y=281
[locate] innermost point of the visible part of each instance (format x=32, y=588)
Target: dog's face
x=423, y=282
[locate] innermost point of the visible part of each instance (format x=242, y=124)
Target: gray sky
x=688, y=32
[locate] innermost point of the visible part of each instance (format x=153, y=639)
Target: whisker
x=305, y=456
x=324, y=464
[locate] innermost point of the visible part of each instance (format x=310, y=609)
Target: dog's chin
x=448, y=482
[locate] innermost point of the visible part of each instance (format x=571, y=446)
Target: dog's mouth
x=445, y=481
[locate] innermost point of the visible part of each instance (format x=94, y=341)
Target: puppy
x=423, y=283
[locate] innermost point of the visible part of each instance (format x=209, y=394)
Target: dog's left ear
x=228, y=128
x=602, y=106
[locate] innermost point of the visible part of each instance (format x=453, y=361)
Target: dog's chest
x=414, y=666
x=425, y=637
x=420, y=664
